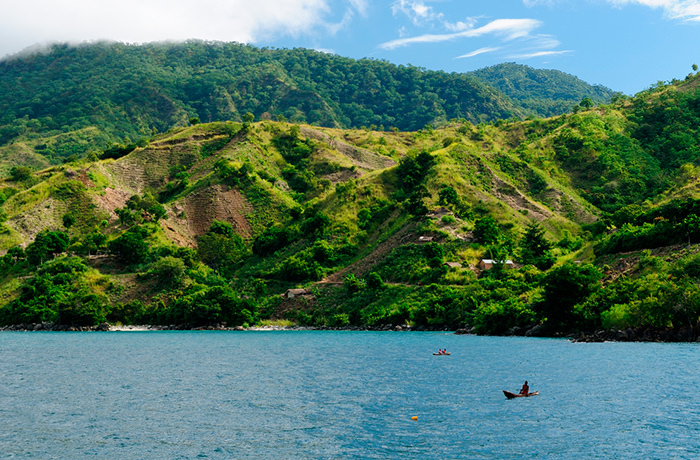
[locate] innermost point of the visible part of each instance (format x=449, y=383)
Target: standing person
x=525, y=390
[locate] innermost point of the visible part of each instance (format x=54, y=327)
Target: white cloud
x=421, y=15
x=508, y=29
x=539, y=54
x=675, y=9
x=416, y=10
x=478, y=52
x=34, y=21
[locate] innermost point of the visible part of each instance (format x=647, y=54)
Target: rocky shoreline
x=642, y=334
x=106, y=327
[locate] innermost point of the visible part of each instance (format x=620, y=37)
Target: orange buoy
x=414, y=418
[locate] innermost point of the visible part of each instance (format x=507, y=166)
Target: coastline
x=106, y=327
x=643, y=334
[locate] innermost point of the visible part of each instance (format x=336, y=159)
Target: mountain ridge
x=131, y=91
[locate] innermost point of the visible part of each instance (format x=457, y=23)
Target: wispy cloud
x=539, y=54
x=688, y=10
x=675, y=9
x=508, y=29
x=478, y=52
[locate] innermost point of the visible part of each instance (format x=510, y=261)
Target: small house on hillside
x=487, y=264
x=292, y=293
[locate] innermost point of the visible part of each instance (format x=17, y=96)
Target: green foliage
x=541, y=92
x=328, y=90
x=204, y=305
x=564, y=287
x=353, y=284
x=20, y=173
x=298, y=268
x=131, y=247
x=316, y=224
x=486, y=230
x=117, y=151
x=675, y=222
x=57, y=293
x=292, y=147
x=169, y=271
x=534, y=247
x=221, y=247
x=374, y=281
x=413, y=263
x=272, y=239
x=668, y=127
x=498, y=317
x=69, y=189
x=299, y=180
x=610, y=163
x=413, y=169
x=46, y=245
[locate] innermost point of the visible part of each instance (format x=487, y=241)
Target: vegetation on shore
x=240, y=222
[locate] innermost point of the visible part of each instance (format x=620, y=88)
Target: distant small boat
x=441, y=354
x=510, y=395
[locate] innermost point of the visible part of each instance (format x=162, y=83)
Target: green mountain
x=544, y=93
x=51, y=102
x=271, y=222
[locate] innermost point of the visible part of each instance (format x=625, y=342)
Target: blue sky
x=627, y=45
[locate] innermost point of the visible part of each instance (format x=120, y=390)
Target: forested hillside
x=270, y=222
x=68, y=100
x=544, y=93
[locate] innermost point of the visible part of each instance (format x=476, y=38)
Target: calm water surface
x=342, y=395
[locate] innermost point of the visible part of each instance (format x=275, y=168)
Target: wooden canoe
x=510, y=395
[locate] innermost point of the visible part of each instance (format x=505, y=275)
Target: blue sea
x=343, y=395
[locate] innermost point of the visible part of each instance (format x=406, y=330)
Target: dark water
x=342, y=395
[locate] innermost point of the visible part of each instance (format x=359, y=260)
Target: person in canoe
x=525, y=390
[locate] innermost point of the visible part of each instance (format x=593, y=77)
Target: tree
x=413, y=169
x=486, y=230
x=448, y=195
x=169, y=271
x=20, y=173
x=564, y=287
x=534, y=247
x=47, y=245
x=587, y=103
x=130, y=247
x=221, y=246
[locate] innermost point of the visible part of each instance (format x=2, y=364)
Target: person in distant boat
x=525, y=390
